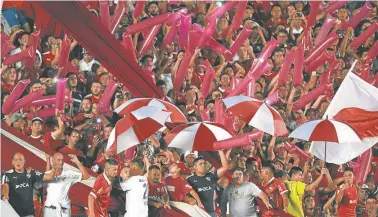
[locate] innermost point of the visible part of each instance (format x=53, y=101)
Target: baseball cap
x=15, y=117
x=84, y=51
x=191, y=152
x=37, y=119
x=179, y=164
x=365, y=187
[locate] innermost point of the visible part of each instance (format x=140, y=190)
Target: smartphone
x=299, y=14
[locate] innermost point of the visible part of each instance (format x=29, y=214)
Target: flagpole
x=325, y=153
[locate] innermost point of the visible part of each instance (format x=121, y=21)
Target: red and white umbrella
x=198, y=136
x=257, y=114
x=323, y=131
x=133, y=104
x=136, y=127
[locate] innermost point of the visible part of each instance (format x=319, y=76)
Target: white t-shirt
x=136, y=188
x=86, y=66
x=58, y=188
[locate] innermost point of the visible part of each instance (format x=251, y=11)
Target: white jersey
x=136, y=188
x=58, y=188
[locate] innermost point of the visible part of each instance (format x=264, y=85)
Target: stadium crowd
x=262, y=179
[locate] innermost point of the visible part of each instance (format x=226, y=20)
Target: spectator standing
x=57, y=202
x=241, y=197
x=99, y=197
x=136, y=188
x=18, y=184
x=346, y=195
x=204, y=182
x=179, y=188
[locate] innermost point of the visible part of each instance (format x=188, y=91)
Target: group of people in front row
x=149, y=190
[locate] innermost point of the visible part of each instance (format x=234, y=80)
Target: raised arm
x=83, y=170
x=271, y=154
x=60, y=131
x=221, y=171
x=315, y=184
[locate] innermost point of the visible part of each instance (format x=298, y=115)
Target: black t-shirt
x=21, y=190
x=205, y=188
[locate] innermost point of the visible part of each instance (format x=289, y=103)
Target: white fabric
x=126, y=140
x=219, y=133
x=263, y=120
x=58, y=188
x=152, y=112
x=136, y=188
x=7, y=209
x=185, y=138
x=86, y=66
x=234, y=100
x=353, y=92
x=56, y=213
x=14, y=52
x=193, y=211
x=344, y=132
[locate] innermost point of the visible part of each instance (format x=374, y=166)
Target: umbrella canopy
x=257, y=114
x=198, y=136
x=134, y=104
x=136, y=127
x=325, y=131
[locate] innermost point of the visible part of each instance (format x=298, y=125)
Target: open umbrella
x=136, y=127
x=257, y=114
x=197, y=136
x=325, y=131
x=133, y=104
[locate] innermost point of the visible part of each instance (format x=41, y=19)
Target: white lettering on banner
x=23, y=185
x=171, y=188
x=207, y=188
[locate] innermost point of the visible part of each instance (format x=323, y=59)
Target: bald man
x=57, y=202
x=18, y=185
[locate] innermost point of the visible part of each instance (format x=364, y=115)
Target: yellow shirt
x=297, y=190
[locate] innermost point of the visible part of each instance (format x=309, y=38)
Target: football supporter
x=18, y=185
x=204, y=182
x=346, y=195
x=99, y=197
x=179, y=188
x=57, y=203
x=240, y=195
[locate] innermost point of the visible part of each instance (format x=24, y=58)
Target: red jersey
x=178, y=188
x=48, y=57
x=101, y=192
x=274, y=190
x=94, y=98
x=347, y=206
x=157, y=191
x=187, y=171
x=66, y=150
x=47, y=140
x=7, y=87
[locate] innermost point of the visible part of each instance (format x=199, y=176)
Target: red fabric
x=12, y=4
x=47, y=140
x=273, y=190
x=365, y=123
x=47, y=58
x=157, y=191
x=348, y=204
x=324, y=131
x=177, y=188
x=67, y=151
x=101, y=189
x=101, y=44
x=7, y=87
x=94, y=98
